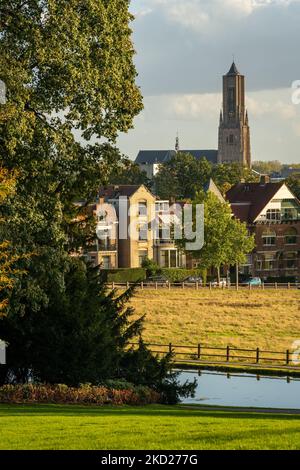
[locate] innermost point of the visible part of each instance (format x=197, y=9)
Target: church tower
x=234, y=131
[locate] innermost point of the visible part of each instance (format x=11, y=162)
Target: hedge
x=179, y=274
x=85, y=394
x=126, y=275
x=139, y=274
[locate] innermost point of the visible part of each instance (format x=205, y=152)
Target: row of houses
x=270, y=210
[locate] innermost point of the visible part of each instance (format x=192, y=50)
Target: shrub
x=85, y=394
x=126, y=275
x=179, y=275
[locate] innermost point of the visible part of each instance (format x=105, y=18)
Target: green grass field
x=51, y=427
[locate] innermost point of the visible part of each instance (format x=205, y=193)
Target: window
x=105, y=262
x=269, y=238
x=270, y=262
x=273, y=214
x=143, y=208
x=143, y=255
x=291, y=260
x=291, y=237
x=143, y=233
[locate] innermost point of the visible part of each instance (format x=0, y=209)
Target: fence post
x=287, y=357
x=228, y=353
x=170, y=348
x=276, y=285
x=169, y=284
x=183, y=285
x=257, y=355
x=289, y=285
x=199, y=351
x=142, y=285
x=127, y=285
x=210, y=286
x=263, y=286
x=197, y=285
x=113, y=285
x=156, y=286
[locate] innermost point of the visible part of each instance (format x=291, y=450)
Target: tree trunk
x=219, y=275
x=237, y=276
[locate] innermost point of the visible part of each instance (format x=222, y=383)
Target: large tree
x=67, y=65
x=181, y=177
x=226, y=239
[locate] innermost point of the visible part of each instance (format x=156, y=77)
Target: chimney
x=264, y=179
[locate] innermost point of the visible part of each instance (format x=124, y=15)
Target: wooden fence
x=197, y=286
x=226, y=355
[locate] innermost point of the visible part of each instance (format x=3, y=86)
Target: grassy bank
x=248, y=319
x=153, y=427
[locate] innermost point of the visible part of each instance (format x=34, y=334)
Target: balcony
x=103, y=245
x=164, y=242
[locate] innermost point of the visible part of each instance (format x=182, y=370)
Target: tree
x=181, y=177
x=66, y=65
x=8, y=259
x=226, y=175
x=293, y=182
x=226, y=240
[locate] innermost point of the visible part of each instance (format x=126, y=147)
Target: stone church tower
x=234, y=131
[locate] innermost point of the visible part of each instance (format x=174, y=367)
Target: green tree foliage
x=67, y=65
x=226, y=240
x=68, y=68
x=183, y=176
x=293, y=183
x=180, y=177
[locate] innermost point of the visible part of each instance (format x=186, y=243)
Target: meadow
x=267, y=319
x=53, y=427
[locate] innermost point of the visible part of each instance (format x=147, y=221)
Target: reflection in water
x=249, y=390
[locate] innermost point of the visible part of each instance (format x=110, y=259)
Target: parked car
x=194, y=280
x=253, y=281
x=222, y=283
x=159, y=280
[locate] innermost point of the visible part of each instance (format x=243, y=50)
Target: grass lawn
x=51, y=427
x=267, y=319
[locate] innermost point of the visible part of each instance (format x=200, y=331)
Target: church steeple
x=234, y=132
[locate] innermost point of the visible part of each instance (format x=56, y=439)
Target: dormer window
x=273, y=214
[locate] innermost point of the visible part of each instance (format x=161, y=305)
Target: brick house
x=272, y=213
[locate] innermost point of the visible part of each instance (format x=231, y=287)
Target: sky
x=183, y=47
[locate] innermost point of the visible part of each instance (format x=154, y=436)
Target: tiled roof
x=248, y=199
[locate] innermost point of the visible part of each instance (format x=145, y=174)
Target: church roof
x=233, y=70
x=161, y=156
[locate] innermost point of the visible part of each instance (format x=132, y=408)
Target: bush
x=179, y=275
x=126, y=275
x=85, y=394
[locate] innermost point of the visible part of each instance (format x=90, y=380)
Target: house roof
x=248, y=199
x=115, y=191
x=151, y=157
